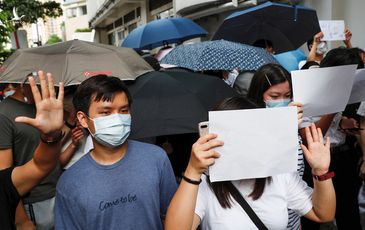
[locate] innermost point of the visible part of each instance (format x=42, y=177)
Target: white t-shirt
x=283, y=192
x=86, y=145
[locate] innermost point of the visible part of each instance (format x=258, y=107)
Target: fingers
x=61, y=92
x=314, y=133
x=51, y=89
x=26, y=120
x=36, y=95
x=320, y=136
x=44, y=88
x=206, y=138
x=308, y=135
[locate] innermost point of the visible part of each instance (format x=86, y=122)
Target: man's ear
x=82, y=119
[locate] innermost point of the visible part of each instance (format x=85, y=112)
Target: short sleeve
x=299, y=194
x=361, y=109
x=307, y=121
x=7, y=132
x=168, y=186
x=202, y=198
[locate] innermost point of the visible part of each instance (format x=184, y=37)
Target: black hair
x=153, y=62
x=99, y=87
x=265, y=77
x=358, y=51
x=223, y=190
x=263, y=43
x=342, y=56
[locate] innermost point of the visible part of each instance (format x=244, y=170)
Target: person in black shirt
x=16, y=182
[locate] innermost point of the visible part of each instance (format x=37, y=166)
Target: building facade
x=75, y=16
x=114, y=19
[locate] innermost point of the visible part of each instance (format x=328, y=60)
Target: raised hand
x=202, y=155
x=317, y=153
x=49, y=116
x=317, y=37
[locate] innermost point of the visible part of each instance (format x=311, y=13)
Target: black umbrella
x=286, y=26
x=166, y=103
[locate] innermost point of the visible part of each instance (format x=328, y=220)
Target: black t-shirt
x=9, y=199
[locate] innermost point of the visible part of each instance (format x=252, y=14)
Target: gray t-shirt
x=133, y=193
x=23, y=140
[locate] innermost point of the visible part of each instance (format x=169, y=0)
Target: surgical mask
x=277, y=103
x=322, y=48
x=9, y=93
x=112, y=130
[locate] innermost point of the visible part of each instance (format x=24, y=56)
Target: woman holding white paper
x=271, y=87
x=212, y=204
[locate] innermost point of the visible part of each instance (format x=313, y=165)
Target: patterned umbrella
x=218, y=55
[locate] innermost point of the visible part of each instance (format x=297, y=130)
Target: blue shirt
x=133, y=193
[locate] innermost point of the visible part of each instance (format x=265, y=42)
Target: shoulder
x=146, y=150
x=72, y=175
x=4, y=118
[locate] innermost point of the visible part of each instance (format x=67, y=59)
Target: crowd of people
x=67, y=163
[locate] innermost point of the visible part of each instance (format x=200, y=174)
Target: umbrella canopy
x=74, y=61
x=166, y=103
x=290, y=60
x=218, y=55
x=160, y=32
x=286, y=26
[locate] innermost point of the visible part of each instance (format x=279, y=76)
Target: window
x=111, y=39
x=132, y=27
x=71, y=12
x=84, y=10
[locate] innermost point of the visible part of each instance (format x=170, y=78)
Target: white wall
x=352, y=11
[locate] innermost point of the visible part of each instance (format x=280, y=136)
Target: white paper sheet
x=257, y=143
x=358, y=89
x=333, y=30
x=323, y=90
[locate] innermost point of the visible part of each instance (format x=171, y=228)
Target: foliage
x=4, y=54
x=81, y=30
x=32, y=9
x=53, y=39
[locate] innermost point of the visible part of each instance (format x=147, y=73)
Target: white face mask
x=322, y=48
x=112, y=130
x=9, y=93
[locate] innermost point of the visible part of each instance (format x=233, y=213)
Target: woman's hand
x=77, y=135
x=202, y=155
x=317, y=153
x=300, y=110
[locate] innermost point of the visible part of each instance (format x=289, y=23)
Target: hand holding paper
x=202, y=155
x=333, y=30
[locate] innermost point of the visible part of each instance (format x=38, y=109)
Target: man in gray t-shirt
x=120, y=183
x=17, y=145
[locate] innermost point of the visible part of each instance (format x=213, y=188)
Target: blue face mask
x=112, y=130
x=277, y=103
x=9, y=93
